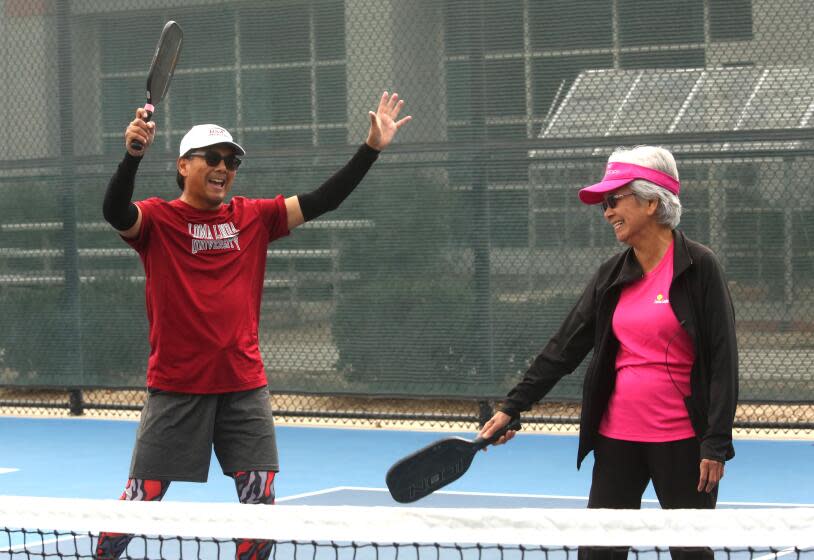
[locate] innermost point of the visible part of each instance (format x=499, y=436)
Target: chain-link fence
x=428, y=293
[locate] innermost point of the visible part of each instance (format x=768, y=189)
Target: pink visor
x=618, y=174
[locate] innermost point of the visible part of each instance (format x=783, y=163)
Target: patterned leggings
x=253, y=487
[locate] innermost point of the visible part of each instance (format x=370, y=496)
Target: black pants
x=621, y=472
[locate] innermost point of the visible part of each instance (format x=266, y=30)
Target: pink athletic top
x=647, y=403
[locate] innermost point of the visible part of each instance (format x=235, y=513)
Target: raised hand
x=383, y=123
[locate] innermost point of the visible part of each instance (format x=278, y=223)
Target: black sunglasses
x=613, y=200
x=213, y=159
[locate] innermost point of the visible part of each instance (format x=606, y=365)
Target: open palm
x=384, y=123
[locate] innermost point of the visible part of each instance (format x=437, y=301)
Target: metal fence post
x=72, y=342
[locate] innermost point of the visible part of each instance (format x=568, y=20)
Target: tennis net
x=65, y=528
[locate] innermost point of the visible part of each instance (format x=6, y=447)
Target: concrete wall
x=781, y=36
x=29, y=111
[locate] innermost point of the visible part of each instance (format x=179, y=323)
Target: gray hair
x=669, y=209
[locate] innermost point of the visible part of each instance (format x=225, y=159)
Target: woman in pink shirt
x=660, y=392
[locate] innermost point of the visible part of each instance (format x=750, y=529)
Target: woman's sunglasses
x=213, y=159
x=613, y=200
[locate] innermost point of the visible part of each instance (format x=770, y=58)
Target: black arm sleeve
x=337, y=188
x=118, y=208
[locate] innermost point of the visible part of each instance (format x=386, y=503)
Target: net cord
x=775, y=527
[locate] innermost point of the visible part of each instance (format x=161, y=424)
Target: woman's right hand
x=496, y=422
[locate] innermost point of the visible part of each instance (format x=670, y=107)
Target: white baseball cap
x=203, y=135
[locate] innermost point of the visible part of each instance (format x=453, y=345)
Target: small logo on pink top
x=661, y=299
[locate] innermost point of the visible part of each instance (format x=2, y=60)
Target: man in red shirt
x=204, y=261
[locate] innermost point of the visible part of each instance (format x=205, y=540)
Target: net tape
x=764, y=527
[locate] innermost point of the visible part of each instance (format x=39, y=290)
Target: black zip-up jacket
x=700, y=299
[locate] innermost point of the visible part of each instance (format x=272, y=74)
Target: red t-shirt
x=205, y=272
x=653, y=363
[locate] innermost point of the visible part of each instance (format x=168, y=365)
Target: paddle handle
x=135, y=144
x=480, y=443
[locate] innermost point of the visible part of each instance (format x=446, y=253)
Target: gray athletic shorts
x=178, y=430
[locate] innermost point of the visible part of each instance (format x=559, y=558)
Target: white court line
x=446, y=492
x=760, y=504
x=778, y=554
x=321, y=492
x=539, y=496
x=5, y=470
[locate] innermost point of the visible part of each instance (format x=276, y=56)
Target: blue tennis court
x=83, y=458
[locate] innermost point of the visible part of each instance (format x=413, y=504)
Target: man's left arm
x=384, y=124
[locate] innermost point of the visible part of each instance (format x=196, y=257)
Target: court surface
x=83, y=458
